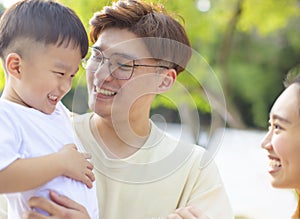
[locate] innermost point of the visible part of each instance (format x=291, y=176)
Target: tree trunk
x=235, y=119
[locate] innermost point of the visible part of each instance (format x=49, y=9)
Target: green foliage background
x=262, y=46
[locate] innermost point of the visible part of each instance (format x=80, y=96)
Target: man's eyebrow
x=280, y=118
x=116, y=53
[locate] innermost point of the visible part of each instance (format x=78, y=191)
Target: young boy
x=41, y=46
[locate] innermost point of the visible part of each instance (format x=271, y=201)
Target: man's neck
x=120, y=140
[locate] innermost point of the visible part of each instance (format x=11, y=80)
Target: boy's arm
x=29, y=173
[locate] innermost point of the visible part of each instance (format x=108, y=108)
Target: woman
x=282, y=141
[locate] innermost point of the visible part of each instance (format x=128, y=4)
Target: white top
x=165, y=174
x=25, y=133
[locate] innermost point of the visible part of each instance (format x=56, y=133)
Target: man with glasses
x=120, y=66
x=141, y=172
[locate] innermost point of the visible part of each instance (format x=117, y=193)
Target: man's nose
x=103, y=71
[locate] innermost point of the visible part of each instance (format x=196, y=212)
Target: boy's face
x=283, y=140
x=46, y=75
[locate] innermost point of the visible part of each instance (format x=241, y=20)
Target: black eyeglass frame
x=123, y=65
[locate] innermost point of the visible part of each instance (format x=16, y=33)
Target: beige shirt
x=163, y=175
x=3, y=207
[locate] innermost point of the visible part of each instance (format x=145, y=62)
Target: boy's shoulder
x=6, y=106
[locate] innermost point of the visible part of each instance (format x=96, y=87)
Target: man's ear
x=13, y=64
x=168, y=79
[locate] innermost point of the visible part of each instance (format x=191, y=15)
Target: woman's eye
x=277, y=126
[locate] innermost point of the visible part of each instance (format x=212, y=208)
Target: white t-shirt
x=25, y=133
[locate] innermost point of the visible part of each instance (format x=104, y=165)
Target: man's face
x=109, y=92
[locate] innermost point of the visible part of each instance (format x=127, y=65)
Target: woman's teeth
x=105, y=92
x=275, y=164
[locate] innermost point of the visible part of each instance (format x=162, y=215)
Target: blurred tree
x=2, y=8
x=250, y=45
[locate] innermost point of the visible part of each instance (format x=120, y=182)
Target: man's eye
x=124, y=67
x=96, y=58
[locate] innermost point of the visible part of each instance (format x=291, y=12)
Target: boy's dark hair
x=42, y=21
x=163, y=35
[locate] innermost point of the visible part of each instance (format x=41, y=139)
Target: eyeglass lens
x=120, y=66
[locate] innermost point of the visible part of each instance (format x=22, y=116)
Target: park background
x=248, y=46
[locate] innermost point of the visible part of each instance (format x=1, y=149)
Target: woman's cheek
x=280, y=143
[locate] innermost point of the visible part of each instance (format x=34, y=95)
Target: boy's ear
x=12, y=64
x=168, y=79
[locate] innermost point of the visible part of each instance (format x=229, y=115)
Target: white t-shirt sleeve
x=10, y=142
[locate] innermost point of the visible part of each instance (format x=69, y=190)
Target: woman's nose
x=266, y=141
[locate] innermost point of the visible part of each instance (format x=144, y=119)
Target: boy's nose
x=66, y=85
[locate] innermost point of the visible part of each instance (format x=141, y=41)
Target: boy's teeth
x=52, y=97
x=275, y=164
x=105, y=92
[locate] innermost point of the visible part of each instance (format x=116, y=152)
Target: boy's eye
x=60, y=73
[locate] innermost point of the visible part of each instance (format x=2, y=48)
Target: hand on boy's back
x=75, y=165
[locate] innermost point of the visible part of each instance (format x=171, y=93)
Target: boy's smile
x=45, y=76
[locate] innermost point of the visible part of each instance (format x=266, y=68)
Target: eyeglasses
x=120, y=66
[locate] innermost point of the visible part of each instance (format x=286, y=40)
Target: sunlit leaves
x=267, y=16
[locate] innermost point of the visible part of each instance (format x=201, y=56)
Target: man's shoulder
x=80, y=118
x=3, y=207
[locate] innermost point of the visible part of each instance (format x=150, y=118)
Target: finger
x=33, y=215
x=72, y=146
x=87, y=155
x=196, y=212
x=173, y=216
x=65, y=201
x=44, y=204
x=185, y=213
x=91, y=175
x=90, y=166
x=87, y=181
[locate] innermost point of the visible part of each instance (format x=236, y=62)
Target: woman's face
x=282, y=141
